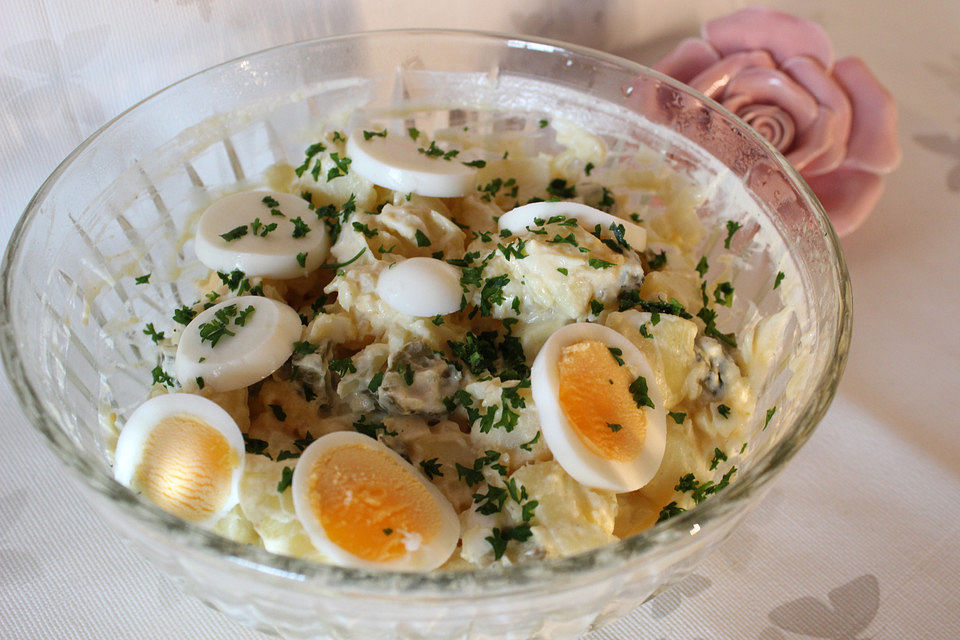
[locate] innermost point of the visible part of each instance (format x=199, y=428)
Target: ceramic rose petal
x=823, y=147
x=690, y=58
x=770, y=86
x=781, y=34
x=834, y=122
x=848, y=196
x=873, y=134
x=712, y=80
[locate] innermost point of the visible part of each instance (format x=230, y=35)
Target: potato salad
x=450, y=351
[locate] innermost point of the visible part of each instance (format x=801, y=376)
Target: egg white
x=394, y=162
x=148, y=415
x=273, y=256
x=257, y=349
x=421, y=287
x=569, y=451
x=517, y=220
x=424, y=557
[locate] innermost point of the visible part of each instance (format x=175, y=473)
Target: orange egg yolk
x=186, y=468
x=370, y=505
x=594, y=393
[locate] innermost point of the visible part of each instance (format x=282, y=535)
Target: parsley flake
x=145, y=279
x=235, y=234
x=770, y=413
x=732, y=228
x=776, y=283
x=678, y=417
x=286, y=477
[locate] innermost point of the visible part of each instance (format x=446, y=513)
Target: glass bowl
x=122, y=203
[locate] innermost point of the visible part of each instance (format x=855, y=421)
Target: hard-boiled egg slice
x=236, y=343
x=591, y=407
x=262, y=233
x=536, y=214
x=394, y=161
x=184, y=453
x=421, y=287
x=365, y=506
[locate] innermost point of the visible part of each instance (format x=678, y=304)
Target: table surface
x=860, y=538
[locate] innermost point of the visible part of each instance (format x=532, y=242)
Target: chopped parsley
x=216, y=329
x=375, y=382
x=304, y=348
x=614, y=427
x=343, y=264
x=183, y=315
x=413, y=133
x=639, y=390
x=254, y=446
x=558, y=188
x=370, y=134
x=422, y=239
x=562, y=270
x=200, y=382
x=431, y=468
x=724, y=411
x=437, y=320
x=162, y=377
x=596, y=263
x=300, y=228
x=286, y=477
x=144, y=279
x=669, y=511
x=770, y=413
x=364, y=229
x=658, y=260
x=468, y=475
x=732, y=228
x=528, y=446
x=302, y=259
x=241, y=319
x=235, y=234
x=257, y=228
x=617, y=354
x=588, y=168
x=342, y=366
x=499, y=538
x=718, y=457
x=270, y=202
x=776, y=283
x=479, y=164
x=155, y=335
x=311, y=151
x=406, y=373
x=341, y=167
x=678, y=417
x=372, y=428
x=702, y=266
x=723, y=294
x=278, y=412
x=543, y=123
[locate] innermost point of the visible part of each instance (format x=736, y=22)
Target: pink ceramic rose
x=831, y=119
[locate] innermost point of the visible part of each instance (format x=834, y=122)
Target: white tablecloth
x=861, y=536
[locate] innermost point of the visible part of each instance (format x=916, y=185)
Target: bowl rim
x=489, y=581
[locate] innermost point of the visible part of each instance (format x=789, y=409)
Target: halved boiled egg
x=365, y=506
x=184, y=453
x=593, y=388
x=421, y=287
x=262, y=233
x=236, y=343
x=537, y=213
x=396, y=162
